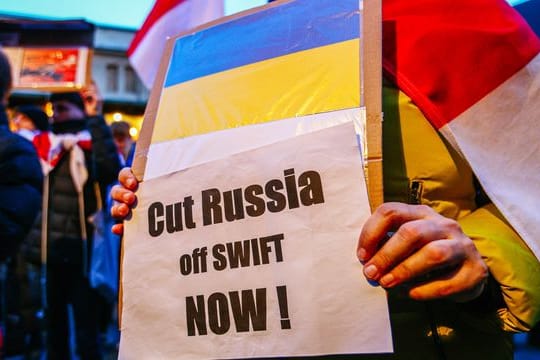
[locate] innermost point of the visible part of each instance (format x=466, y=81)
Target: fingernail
x=127, y=197
x=130, y=182
x=387, y=280
x=123, y=210
x=362, y=255
x=370, y=271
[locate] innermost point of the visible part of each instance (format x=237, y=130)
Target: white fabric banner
x=253, y=255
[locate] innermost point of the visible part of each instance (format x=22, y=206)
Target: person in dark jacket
x=20, y=177
x=74, y=192
x=21, y=182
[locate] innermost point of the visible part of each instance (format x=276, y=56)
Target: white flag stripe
x=188, y=14
x=504, y=149
x=200, y=149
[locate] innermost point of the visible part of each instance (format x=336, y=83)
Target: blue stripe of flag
x=276, y=31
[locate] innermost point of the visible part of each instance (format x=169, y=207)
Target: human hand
x=93, y=101
x=124, y=198
x=427, y=254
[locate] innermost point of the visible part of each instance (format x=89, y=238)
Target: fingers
x=387, y=218
x=436, y=255
x=463, y=284
x=123, y=195
x=413, y=247
x=127, y=179
x=411, y=237
x=120, y=211
x=118, y=229
x=124, y=198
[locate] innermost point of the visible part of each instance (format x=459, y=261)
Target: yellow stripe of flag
x=313, y=81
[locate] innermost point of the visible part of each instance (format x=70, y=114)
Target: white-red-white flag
x=167, y=18
x=473, y=69
x=51, y=148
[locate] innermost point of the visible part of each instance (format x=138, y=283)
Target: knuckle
x=387, y=210
x=436, y=253
x=383, y=260
x=403, y=272
x=116, y=211
x=425, y=209
x=115, y=191
x=409, y=231
x=450, y=226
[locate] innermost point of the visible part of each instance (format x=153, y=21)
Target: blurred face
x=123, y=144
x=63, y=111
x=21, y=121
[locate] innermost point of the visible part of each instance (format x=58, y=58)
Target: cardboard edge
x=371, y=48
x=145, y=137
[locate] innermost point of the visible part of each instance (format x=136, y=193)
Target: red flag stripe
x=449, y=54
x=42, y=144
x=161, y=7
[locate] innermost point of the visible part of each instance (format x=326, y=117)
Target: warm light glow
x=117, y=116
x=48, y=109
x=133, y=132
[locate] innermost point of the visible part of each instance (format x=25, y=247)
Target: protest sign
x=253, y=255
x=280, y=61
x=243, y=241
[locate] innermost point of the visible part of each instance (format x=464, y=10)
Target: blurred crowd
x=59, y=260
x=55, y=175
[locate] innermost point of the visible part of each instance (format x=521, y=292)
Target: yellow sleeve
x=511, y=263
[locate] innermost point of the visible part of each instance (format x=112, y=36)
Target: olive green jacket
x=420, y=167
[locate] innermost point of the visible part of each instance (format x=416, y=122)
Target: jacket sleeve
x=511, y=263
x=21, y=182
x=105, y=156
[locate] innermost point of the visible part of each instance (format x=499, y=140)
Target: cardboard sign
x=253, y=255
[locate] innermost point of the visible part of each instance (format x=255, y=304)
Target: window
x=131, y=85
x=112, y=77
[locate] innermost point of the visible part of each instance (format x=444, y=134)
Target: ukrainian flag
x=292, y=58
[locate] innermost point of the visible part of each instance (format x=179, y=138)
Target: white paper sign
x=252, y=256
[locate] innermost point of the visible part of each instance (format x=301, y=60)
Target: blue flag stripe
x=297, y=26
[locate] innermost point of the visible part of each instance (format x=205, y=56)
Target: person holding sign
x=439, y=248
x=436, y=278
x=459, y=278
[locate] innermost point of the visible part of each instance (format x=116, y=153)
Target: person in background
x=20, y=176
x=20, y=193
x=29, y=120
x=123, y=140
x=85, y=166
